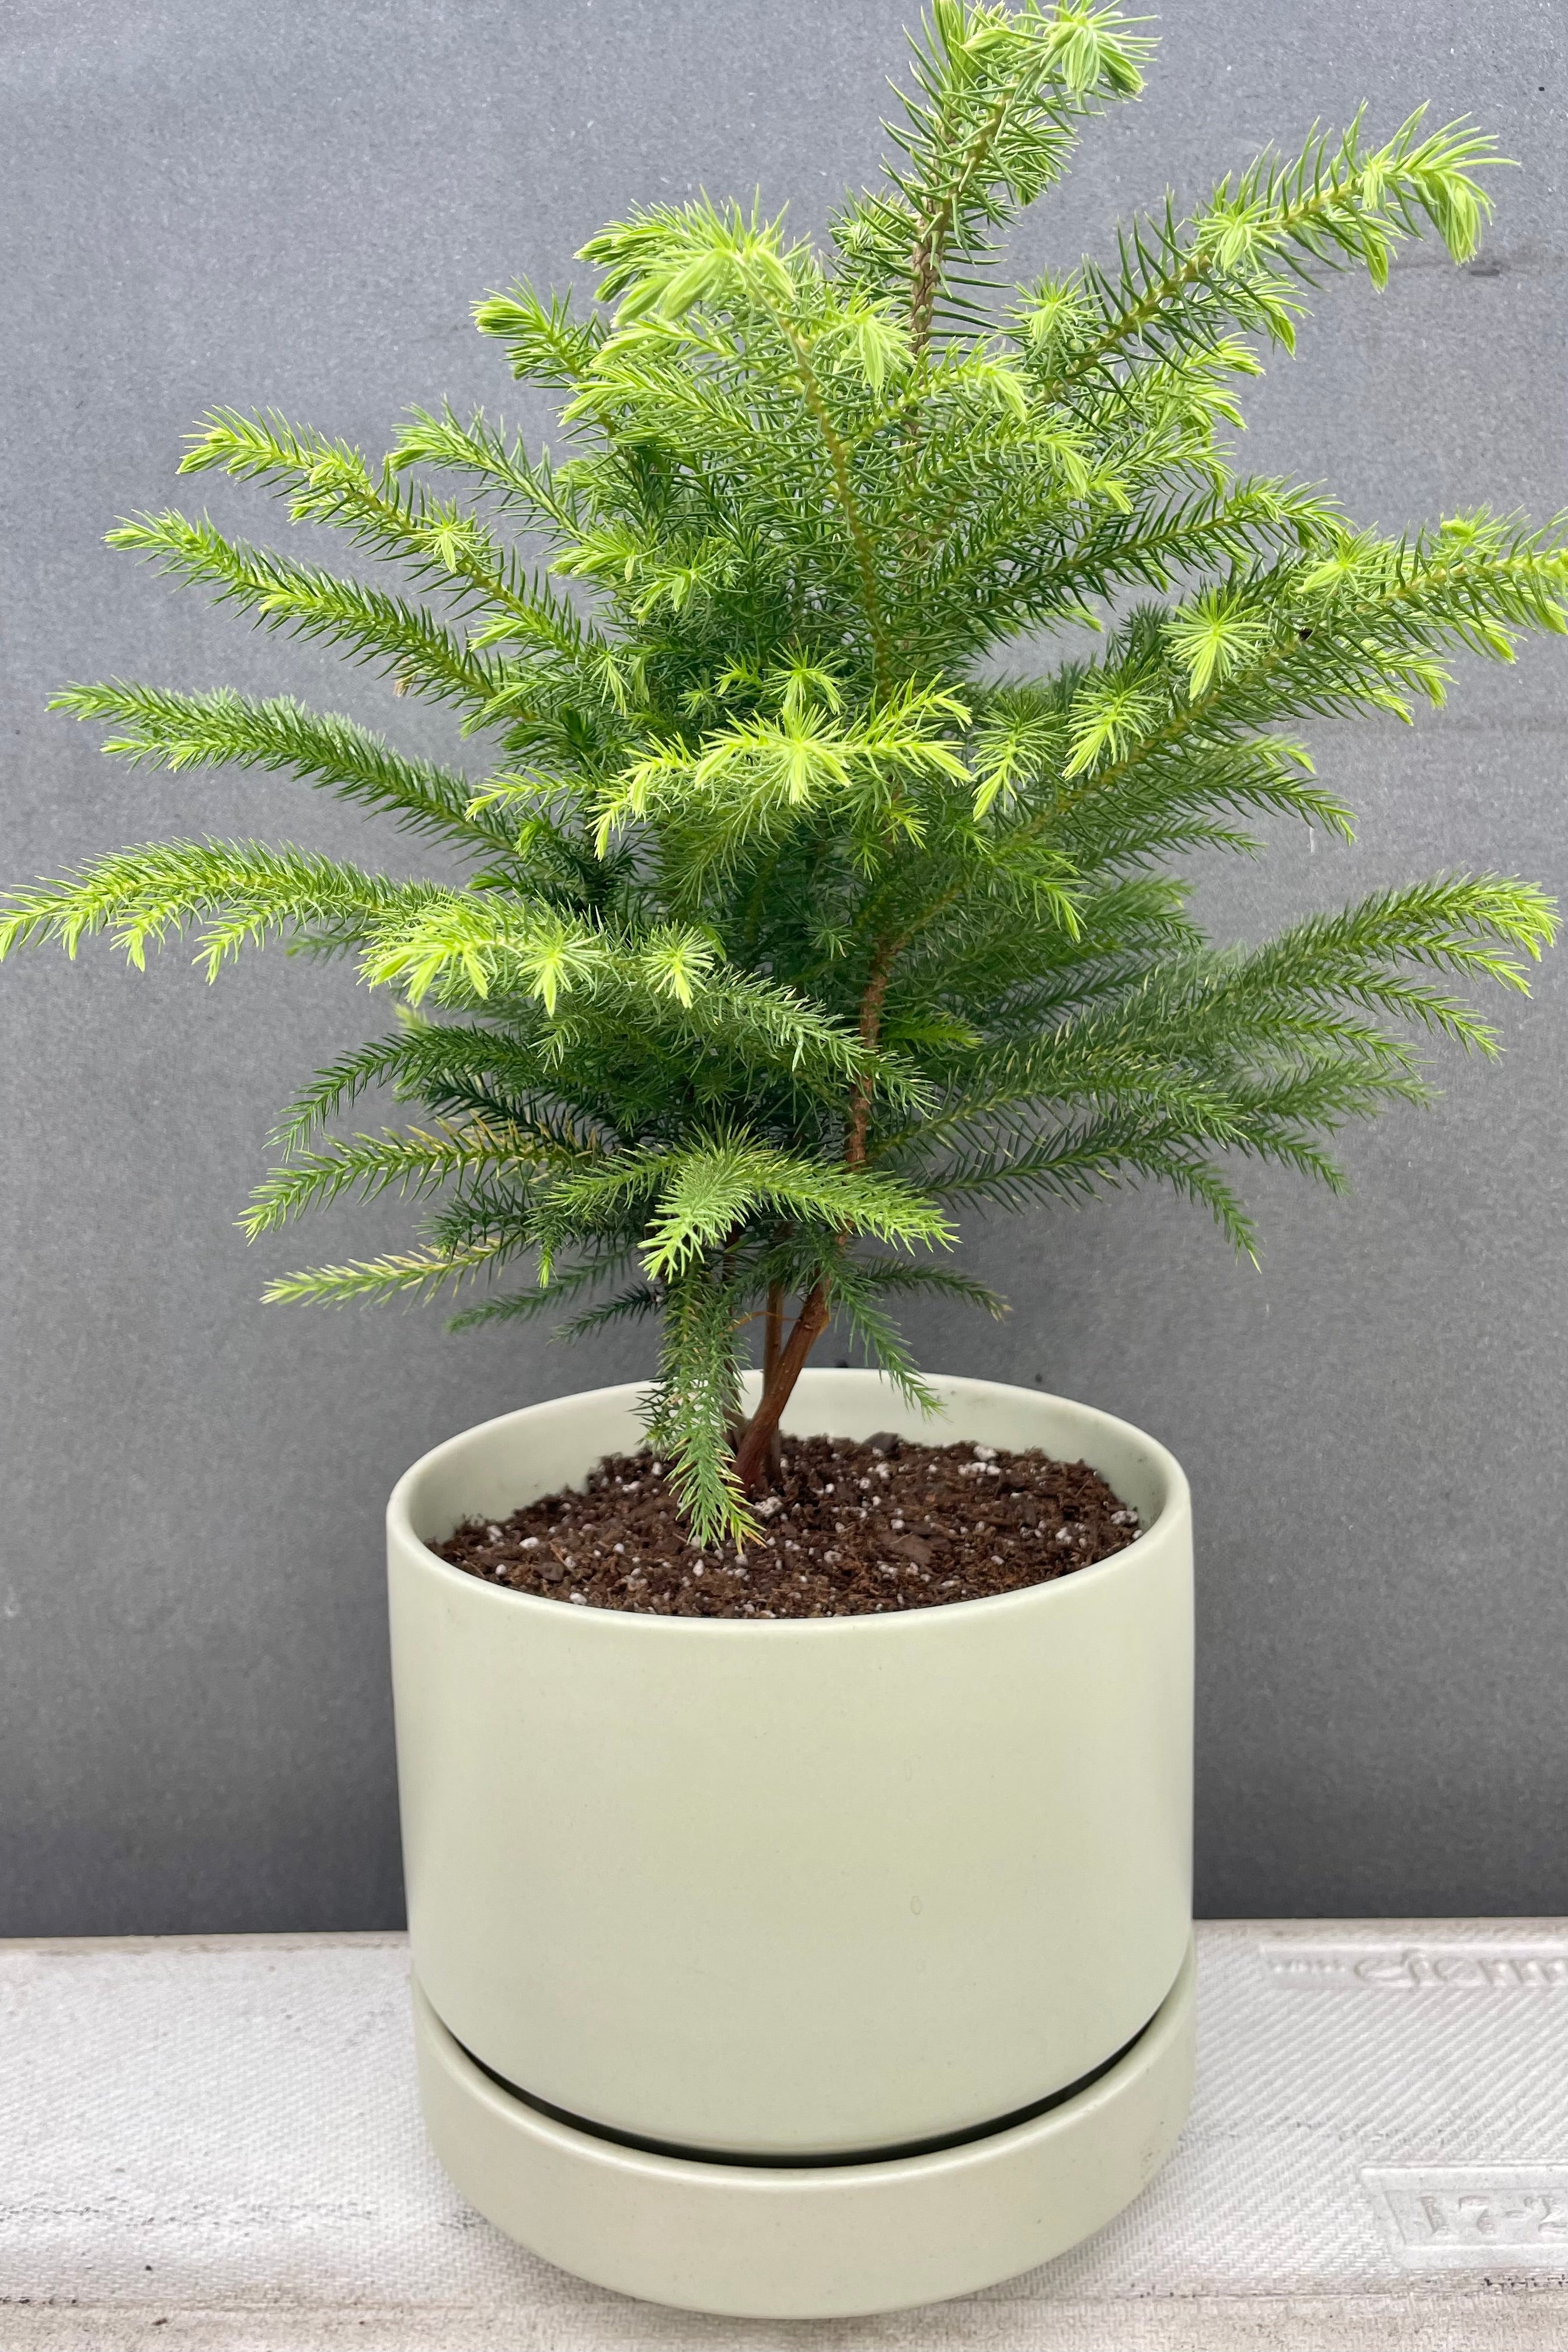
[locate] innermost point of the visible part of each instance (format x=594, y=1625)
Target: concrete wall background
x=294, y=205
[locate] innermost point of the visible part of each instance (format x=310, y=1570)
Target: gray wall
x=294, y=204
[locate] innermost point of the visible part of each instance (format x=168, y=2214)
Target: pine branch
x=705, y=1194
x=225, y=729
x=394, y=635
x=1183, y=285
x=542, y=340
x=418, y=1276
x=329, y=482
x=881, y=1275
x=238, y=892
x=634, y=1305
x=412, y=1162
x=993, y=126
x=752, y=782
x=447, y=1064
x=500, y=469
x=1082, y=1163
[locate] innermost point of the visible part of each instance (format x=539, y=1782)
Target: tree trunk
x=752, y=1454
x=759, y=1450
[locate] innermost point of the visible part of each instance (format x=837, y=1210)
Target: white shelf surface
x=214, y=2143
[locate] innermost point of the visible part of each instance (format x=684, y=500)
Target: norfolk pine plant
x=850, y=689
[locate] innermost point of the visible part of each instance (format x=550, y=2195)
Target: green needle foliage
x=795, y=925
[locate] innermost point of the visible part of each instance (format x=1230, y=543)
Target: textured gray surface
x=220, y=2145
x=294, y=204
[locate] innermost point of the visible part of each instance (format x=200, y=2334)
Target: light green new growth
x=790, y=929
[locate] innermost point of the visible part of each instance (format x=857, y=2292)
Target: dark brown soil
x=854, y=1527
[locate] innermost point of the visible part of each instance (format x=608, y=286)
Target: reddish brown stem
x=752, y=1454
x=759, y=1449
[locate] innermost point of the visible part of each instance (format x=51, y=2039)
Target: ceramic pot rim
x=475, y=1593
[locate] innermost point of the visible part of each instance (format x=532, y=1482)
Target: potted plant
x=792, y=1943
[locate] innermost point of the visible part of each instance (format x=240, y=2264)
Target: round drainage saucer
x=810, y=2242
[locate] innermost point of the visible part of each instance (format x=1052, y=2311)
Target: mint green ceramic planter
x=714, y=1918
